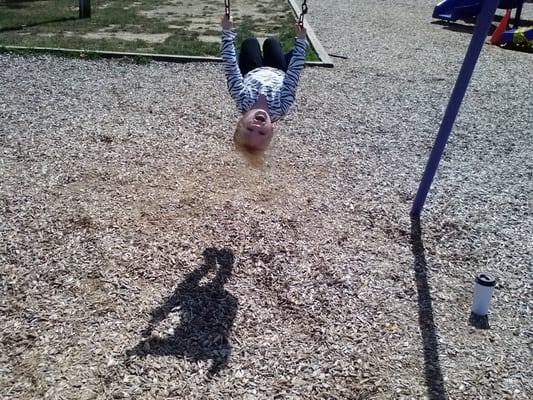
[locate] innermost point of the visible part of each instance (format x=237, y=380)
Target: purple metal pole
x=484, y=20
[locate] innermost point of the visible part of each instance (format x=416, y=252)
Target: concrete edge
x=119, y=54
x=313, y=39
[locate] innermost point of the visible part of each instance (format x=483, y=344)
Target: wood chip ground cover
x=120, y=192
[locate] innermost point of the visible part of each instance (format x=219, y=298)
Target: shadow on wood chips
x=479, y=321
x=432, y=369
x=205, y=313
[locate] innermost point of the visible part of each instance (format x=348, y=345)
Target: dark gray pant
x=250, y=56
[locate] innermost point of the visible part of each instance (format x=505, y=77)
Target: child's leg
x=250, y=56
x=273, y=54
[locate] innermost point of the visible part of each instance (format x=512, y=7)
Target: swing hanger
x=302, y=14
x=227, y=7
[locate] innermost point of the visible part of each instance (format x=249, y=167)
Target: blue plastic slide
x=452, y=10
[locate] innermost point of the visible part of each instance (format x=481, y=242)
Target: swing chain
x=304, y=11
x=227, y=7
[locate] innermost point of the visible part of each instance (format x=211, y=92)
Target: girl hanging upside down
x=263, y=85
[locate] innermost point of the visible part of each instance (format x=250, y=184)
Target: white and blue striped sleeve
x=290, y=82
x=231, y=68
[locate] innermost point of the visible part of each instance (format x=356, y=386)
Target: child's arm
x=231, y=68
x=292, y=77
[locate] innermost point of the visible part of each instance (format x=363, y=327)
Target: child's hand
x=301, y=32
x=227, y=22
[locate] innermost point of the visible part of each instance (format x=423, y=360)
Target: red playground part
x=502, y=27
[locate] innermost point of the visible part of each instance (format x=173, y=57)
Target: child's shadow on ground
x=203, y=312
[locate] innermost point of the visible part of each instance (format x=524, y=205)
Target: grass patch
x=283, y=30
x=127, y=26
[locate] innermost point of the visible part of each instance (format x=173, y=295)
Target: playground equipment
x=453, y=10
x=227, y=7
x=85, y=9
x=483, y=23
x=302, y=14
x=521, y=37
x=502, y=26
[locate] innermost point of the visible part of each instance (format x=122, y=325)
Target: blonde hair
x=255, y=157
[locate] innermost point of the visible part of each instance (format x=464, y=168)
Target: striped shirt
x=278, y=87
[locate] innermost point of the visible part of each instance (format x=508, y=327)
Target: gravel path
x=115, y=178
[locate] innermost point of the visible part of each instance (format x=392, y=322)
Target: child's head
x=254, y=131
